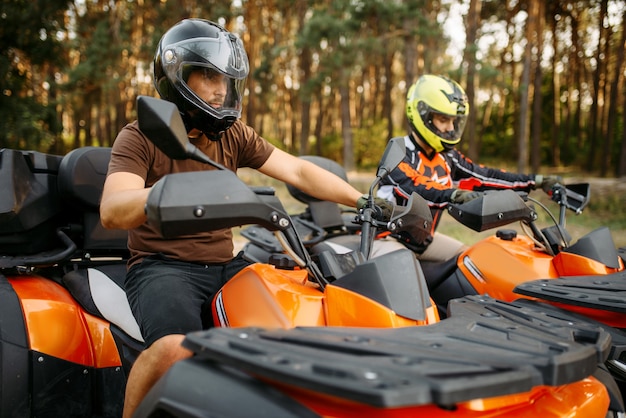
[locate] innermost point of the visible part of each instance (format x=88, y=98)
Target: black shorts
x=174, y=297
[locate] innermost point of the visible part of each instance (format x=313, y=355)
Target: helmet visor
x=210, y=89
x=449, y=128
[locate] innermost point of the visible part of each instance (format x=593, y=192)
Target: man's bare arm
x=123, y=201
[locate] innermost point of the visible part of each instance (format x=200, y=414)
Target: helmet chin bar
x=444, y=137
x=447, y=147
x=211, y=128
x=447, y=135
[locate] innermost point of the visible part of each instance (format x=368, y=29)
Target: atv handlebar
x=497, y=208
x=572, y=196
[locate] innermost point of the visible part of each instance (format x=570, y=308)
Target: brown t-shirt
x=132, y=152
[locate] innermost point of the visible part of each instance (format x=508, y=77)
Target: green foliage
x=98, y=56
x=27, y=124
x=31, y=27
x=609, y=205
x=332, y=147
x=370, y=142
x=276, y=142
x=498, y=145
x=332, y=52
x=28, y=45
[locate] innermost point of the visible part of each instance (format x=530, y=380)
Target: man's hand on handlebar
x=464, y=196
x=383, y=209
x=546, y=183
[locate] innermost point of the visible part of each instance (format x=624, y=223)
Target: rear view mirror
x=162, y=123
x=393, y=155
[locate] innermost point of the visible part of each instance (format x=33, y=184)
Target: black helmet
x=197, y=44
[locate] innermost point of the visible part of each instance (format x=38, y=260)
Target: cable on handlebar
x=556, y=223
x=283, y=242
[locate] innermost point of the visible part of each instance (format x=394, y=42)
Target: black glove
x=382, y=207
x=464, y=196
x=547, y=182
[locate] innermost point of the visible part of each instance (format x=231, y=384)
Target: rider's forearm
x=325, y=185
x=124, y=209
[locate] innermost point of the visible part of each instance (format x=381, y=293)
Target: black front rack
x=486, y=348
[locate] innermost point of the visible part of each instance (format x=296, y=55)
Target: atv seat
x=100, y=291
x=96, y=281
x=80, y=181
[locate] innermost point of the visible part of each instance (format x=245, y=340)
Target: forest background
x=545, y=79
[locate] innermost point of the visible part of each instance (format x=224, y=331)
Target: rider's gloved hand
x=547, y=182
x=464, y=196
x=382, y=207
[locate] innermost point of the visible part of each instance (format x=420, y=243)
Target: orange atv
x=584, y=277
x=506, y=265
x=500, y=263
x=347, y=335
x=68, y=339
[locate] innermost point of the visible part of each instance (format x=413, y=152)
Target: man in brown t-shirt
x=201, y=68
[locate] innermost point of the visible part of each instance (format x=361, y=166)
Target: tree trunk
x=620, y=167
x=410, y=53
x=88, y=125
x=522, y=131
x=346, y=126
x=596, y=109
x=251, y=16
x=472, y=27
x=615, y=105
x=535, y=156
x=77, y=128
x=555, y=126
x=318, y=124
x=614, y=101
x=387, y=89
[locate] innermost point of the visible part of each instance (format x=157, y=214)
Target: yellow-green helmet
x=433, y=94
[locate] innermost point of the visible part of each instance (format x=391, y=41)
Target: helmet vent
x=169, y=56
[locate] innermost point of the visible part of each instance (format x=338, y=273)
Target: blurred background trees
x=545, y=78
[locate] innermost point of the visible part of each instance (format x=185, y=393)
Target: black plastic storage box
x=29, y=206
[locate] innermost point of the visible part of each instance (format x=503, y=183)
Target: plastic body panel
x=57, y=360
x=264, y=296
x=14, y=355
x=57, y=326
x=502, y=265
x=496, y=266
x=261, y=295
x=65, y=389
x=350, y=309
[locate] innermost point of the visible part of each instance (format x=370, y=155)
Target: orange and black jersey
x=436, y=176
